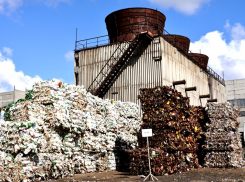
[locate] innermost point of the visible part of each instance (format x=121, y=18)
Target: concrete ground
x=197, y=175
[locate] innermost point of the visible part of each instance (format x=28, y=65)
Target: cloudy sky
x=37, y=37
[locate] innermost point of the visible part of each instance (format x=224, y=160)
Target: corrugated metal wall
x=142, y=71
x=177, y=67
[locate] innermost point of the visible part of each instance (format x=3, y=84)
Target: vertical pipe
x=149, y=155
x=76, y=41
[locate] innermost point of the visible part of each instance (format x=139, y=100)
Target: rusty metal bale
x=162, y=162
x=131, y=21
x=182, y=43
x=176, y=128
x=200, y=59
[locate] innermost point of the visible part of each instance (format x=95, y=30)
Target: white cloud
x=8, y=51
x=9, y=6
x=238, y=32
x=224, y=56
x=69, y=56
x=227, y=25
x=10, y=77
x=188, y=7
x=54, y=3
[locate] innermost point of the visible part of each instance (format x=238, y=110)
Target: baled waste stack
x=223, y=143
x=64, y=130
x=176, y=130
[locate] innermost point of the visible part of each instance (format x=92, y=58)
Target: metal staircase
x=104, y=80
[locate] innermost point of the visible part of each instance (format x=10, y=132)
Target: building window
x=76, y=56
x=242, y=102
x=237, y=102
x=242, y=113
x=77, y=78
x=77, y=61
x=231, y=101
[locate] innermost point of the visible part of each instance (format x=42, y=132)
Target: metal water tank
x=124, y=24
x=182, y=43
x=200, y=59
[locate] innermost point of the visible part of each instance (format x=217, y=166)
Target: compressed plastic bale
x=223, y=143
x=52, y=126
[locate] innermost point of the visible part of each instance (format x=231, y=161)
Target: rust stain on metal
x=135, y=20
x=182, y=43
x=200, y=59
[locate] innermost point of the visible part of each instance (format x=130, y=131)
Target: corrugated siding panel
x=140, y=71
x=177, y=67
x=143, y=71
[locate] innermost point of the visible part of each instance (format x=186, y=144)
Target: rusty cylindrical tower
x=200, y=59
x=126, y=23
x=182, y=43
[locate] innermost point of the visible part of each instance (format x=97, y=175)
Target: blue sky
x=37, y=37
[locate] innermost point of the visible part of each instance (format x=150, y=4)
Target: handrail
x=104, y=72
x=215, y=75
x=100, y=41
x=105, y=76
x=208, y=71
x=104, y=40
x=87, y=43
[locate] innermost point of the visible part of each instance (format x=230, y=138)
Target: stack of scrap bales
x=176, y=130
x=64, y=130
x=223, y=143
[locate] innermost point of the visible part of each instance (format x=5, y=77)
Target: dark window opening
x=242, y=139
x=242, y=113
x=237, y=102
x=77, y=61
x=77, y=78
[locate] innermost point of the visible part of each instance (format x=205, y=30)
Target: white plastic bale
x=223, y=142
x=62, y=131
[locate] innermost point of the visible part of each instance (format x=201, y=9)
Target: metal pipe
x=212, y=100
x=204, y=96
x=190, y=89
x=179, y=82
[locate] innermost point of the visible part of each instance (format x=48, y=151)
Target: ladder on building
x=104, y=80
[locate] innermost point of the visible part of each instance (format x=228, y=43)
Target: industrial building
x=235, y=90
x=12, y=96
x=139, y=53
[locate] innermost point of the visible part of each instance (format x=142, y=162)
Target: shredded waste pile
x=223, y=143
x=176, y=130
x=63, y=130
x=60, y=130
